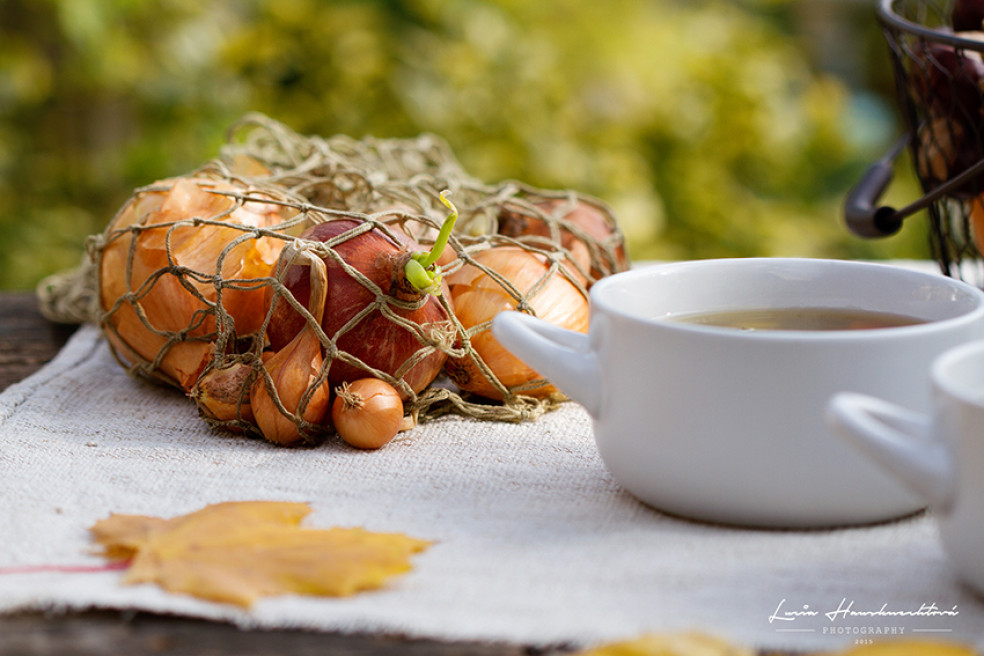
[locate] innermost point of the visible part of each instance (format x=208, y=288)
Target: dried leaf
x=672, y=644
x=698, y=644
x=122, y=535
x=236, y=552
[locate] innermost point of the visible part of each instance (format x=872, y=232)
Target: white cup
x=939, y=456
x=726, y=425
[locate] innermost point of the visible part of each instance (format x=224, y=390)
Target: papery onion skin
x=375, y=340
x=293, y=370
x=176, y=305
x=478, y=298
x=517, y=222
x=222, y=393
x=294, y=374
x=367, y=413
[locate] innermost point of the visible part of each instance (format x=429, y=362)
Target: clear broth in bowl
x=800, y=318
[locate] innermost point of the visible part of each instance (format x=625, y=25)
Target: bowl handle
x=899, y=441
x=564, y=357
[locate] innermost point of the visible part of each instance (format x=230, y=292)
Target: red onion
x=406, y=349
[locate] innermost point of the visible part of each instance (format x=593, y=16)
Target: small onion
x=295, y=375
x=478, y=297
x=222, y=394
x=367, y=413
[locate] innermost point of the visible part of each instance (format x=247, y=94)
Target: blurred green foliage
x=706, y=124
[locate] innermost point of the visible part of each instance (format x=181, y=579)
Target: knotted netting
x=276, y=272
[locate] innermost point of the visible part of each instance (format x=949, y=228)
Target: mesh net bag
x=264, y=280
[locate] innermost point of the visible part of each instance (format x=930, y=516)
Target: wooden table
x=28, y=341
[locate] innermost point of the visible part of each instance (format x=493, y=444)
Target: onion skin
x=221, y=394
x=944, y=150
x=293, y=370
x=375, y=340
x=947, y=83
x=179, y=303
x=518, y=222
x=367, y=413
x=478, y=298
x=295, y=374
x=404, y=218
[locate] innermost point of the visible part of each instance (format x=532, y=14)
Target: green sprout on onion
x=421, y=270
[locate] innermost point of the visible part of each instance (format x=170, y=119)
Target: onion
x=293, y=374
x=367, y=413
x=947, y=84
x=478, y=297
x=222, y=394
x=582, y=230
x=967, y=15
x=419, y=231
x=162, y=312
x=403, y=333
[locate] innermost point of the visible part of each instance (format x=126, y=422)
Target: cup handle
x=564, y=357
x=899, y=440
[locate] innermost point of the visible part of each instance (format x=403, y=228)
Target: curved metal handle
x=861, y=212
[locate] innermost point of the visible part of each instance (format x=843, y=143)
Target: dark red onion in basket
x=947, y=82
x=947, y=89
x=967, y=15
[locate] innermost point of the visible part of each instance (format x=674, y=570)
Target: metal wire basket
x=939, y=75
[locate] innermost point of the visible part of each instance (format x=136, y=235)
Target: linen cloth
x=534, y=542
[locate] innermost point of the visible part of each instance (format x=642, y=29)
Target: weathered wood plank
x=27, y=339
x=108, y=633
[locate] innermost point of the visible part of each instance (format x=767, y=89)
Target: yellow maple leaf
x=670, y=644
x=909, y=648
x=239, y=551
x=699, y=644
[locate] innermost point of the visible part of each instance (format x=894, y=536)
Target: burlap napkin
x=535, y=543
